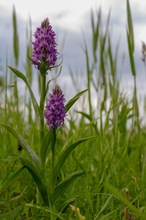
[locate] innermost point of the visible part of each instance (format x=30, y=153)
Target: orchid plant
x=50, y=112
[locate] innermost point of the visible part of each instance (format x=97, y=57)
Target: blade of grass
x=118, y=194
x=104, y=206
x=10, y=179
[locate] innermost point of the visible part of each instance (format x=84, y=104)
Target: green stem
x=136, y=109
x=41, y=127
x=42, y=101
x=52, y=145
x=53, y=142
x=88, y=83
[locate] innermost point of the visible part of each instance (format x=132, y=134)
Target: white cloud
x=39, y=8
x=73, y=16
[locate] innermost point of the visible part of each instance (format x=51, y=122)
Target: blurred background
x=71, y=20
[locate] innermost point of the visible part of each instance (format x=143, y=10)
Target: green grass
x=105, y=176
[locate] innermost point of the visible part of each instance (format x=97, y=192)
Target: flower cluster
x=44, y=46
x=55, y=109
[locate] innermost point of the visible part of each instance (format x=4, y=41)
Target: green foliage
x=63, y=156
x=96, y=161
x=72, y=101
x=24, y=144
x=37, y=178
x=33, y=99
x=64, y=184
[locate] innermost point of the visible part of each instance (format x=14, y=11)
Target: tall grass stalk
x=16, y=56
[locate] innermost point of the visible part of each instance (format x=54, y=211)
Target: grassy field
x=93, y=167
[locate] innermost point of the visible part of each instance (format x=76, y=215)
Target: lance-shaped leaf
x=35, y=173
x=63, y=206
x=64, y=184
x=23, y=143
x=33, y=99
x=74, y=99
x=48, y=141
x=63, y=156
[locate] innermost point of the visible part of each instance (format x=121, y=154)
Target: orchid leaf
x=46, y=143
x=74, y=99
x=66, y=203
x=33, y=99
x=23, y=143
x=63, y=156
x=35, y=173
x=64, y=184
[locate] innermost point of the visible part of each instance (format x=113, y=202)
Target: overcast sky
x=71, y=19
x=74, y=16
